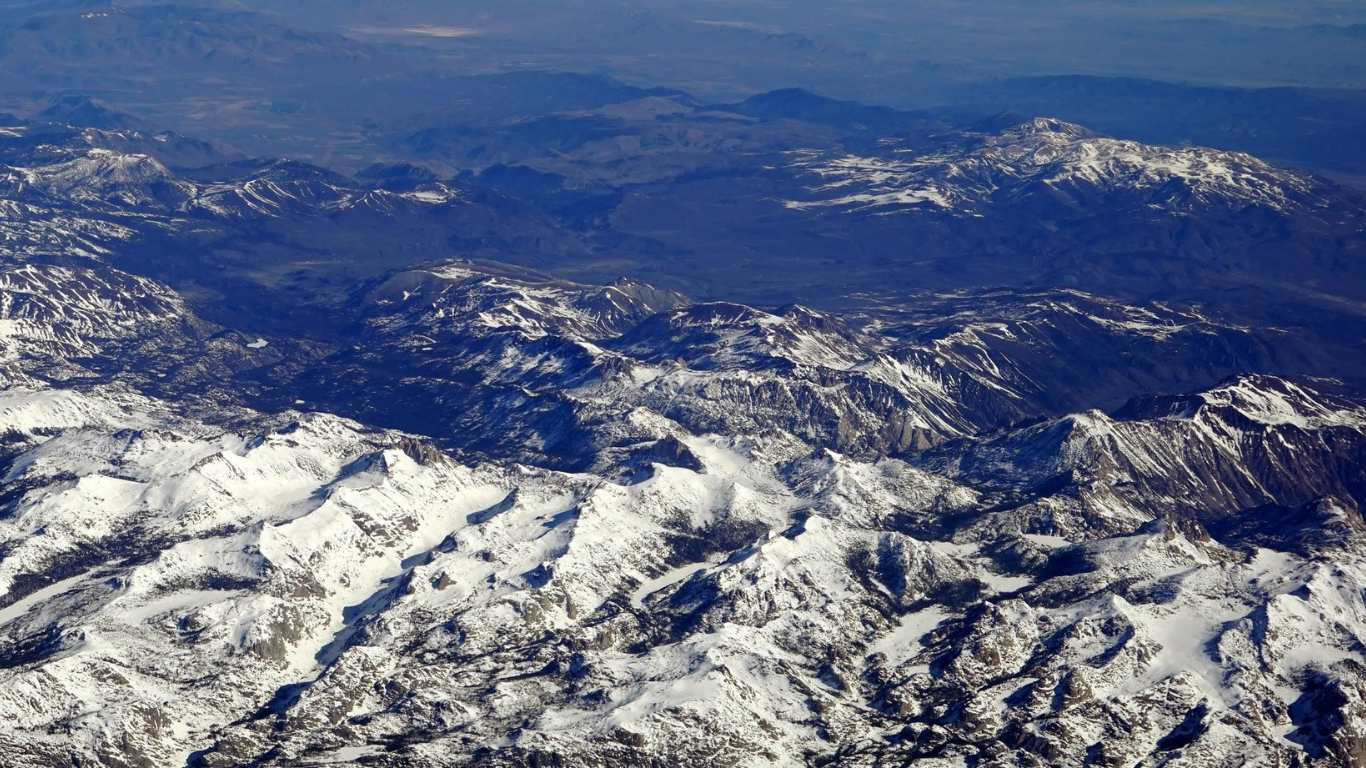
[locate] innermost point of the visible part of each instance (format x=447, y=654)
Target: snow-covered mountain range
x=1058, y=162
x=299, y=590
x=269, y=497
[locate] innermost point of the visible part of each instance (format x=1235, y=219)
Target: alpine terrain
x=660, y=432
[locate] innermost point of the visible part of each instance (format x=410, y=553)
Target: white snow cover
x=1044, y=153
x=747, y=612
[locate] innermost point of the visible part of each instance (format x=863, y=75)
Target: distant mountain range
x=339, y=83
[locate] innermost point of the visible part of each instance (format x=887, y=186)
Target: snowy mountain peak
x=504, y=299
x=1044, y=127
x=1049, y=162
x=53, y=313
x=1258, y=399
